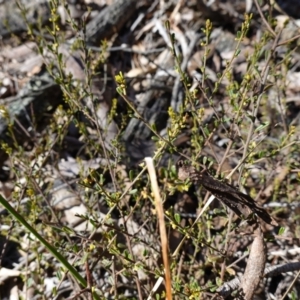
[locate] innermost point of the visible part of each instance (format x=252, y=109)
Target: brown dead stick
x=241, y=204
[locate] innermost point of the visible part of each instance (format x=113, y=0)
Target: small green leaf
x=155, y=138
x=262, y=126
x=281, y=231
x=237, y=52
x=177, y=218
x=131, y=175
x=132, y=192
x=173, y=170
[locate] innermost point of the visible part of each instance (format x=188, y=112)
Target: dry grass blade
x=162, y=226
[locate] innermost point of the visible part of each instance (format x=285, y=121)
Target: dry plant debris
x=89, y=88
